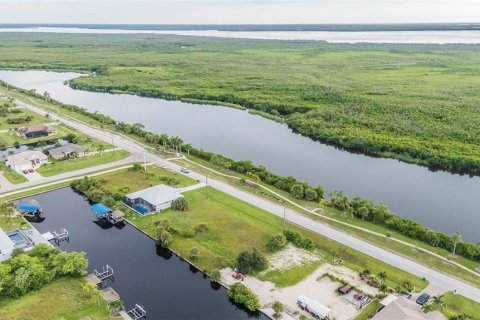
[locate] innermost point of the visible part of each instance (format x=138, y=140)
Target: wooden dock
x=110, y=295
x=117, y=216
x=93, y=279
x=125, y=315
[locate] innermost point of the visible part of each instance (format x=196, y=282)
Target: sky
x=238, y=11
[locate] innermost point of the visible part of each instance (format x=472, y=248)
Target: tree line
x=381, y=215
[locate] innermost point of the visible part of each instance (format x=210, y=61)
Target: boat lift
x=106, y=273
x=137, y=312
x=64, y=235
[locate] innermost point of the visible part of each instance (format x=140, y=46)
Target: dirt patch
x=316, y=287
x=291, y=256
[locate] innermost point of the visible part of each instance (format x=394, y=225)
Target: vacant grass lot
x=417, y=103
x=61, y=299
x=67, y=165
x=36, y=119
x=369, y=310
x=131, y=181
x=235, y=225
x=457, y=304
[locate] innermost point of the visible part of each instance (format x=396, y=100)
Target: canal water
x=440, y=200
x=166, y=286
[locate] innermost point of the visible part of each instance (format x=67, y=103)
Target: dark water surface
x=440, y=200
x=166, y=286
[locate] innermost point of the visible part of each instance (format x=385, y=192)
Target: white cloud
x=238, y=11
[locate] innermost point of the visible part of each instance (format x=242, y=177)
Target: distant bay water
x=395, y=33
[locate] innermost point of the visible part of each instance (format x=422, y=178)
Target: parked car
x=423, y=298
x=25, y=171
x=31, y=170
x=185, y=170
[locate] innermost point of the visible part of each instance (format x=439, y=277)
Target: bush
x=72, y=138
x=298, y=240
x=276, y=243
x=201, y=228
x=186, y=233
x=240, y=294
x=164, y=238
x=136, y=167
x=194, y=253
x=180, y=204
x=297, y=190
x=251, y=261
x=215, y=275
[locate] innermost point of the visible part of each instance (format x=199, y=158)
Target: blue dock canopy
x=100, y=209
x=28, y=207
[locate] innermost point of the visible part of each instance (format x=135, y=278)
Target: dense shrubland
x=26, y=272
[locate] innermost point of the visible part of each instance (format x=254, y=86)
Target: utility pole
x=144, y=160
x=113, y=146
x=206, y=186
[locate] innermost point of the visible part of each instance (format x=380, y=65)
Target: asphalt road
x=139, y=154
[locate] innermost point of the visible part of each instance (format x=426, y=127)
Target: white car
x=185, y=170
x=163, y=166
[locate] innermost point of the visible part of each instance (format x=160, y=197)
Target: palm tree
x=382, y=276
x=188, y=147
x=101, y=149
x=456, y=239
x=114, y=307
x=383, y=287
x=158, y=148
x=164, y=139
x=176, y=142
x=438, y=303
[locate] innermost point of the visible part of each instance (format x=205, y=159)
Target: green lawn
x=235, y=225
x=61, y=166
x=457, y=304
x=61, y=299
x=12, y=224
x=369, y=311
x=11, y=175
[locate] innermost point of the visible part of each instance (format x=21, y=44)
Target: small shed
x=345, y=289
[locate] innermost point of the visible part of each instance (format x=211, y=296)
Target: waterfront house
x=6, y=246
x=67, y=151
x=26, y=160
x=153, y=199
x=401, y=308
x=36, y=131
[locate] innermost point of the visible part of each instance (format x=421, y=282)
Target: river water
x=440, y=200
x=430, y=37
x=166, y=286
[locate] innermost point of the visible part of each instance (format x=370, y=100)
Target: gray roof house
x=404, y=309
x=66, y=151
x=6, y=246
x=36, y=131
x=152, y=199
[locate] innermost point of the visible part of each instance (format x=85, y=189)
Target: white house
x=152, y=199
x=26, y=160
x=6, y=246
